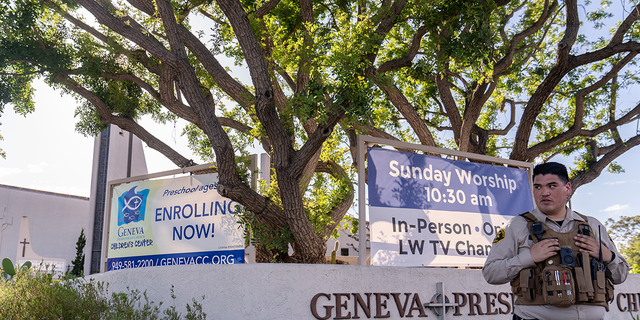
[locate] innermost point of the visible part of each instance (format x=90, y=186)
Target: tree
x=78, y=262
x=322, y=72
x=626, y=232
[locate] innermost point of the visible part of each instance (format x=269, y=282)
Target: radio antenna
x=600, y=240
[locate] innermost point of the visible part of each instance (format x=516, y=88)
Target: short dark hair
x=555, y=168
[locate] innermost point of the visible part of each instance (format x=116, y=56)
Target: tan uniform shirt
x=511, y=254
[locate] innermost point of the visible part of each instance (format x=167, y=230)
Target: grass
x=35, y=295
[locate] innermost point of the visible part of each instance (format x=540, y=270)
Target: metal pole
x=362, y=212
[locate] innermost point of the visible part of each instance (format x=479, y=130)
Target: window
x=344, y=252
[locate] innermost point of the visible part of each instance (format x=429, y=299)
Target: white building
x=347, y=252
x=38, y=225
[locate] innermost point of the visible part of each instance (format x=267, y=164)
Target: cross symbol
x=440, y=306
x=24, y=245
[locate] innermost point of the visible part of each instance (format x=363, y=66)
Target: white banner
x=173, y=221
x=414, y=237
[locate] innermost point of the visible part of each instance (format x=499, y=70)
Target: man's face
x=550, y=193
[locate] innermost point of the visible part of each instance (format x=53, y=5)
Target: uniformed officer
x=514, y=250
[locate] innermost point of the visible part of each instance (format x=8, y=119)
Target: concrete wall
x=287, y=291
x=55, y=222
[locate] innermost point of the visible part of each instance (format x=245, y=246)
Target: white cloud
x=5, y=172
x=35, y=168
x=616, y=207
x=615, y=182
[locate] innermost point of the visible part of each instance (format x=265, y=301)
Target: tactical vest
x=566, y=278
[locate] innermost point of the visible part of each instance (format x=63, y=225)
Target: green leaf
x=25, y=266
x=7, y=266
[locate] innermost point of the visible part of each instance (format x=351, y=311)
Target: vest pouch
x=581, y=285
x=558, y=287
x=515, y=286
x=523, y=286
x=586, y=267
x=609, y=291
x=599, y=287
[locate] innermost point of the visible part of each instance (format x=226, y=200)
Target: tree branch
x=104, y=17
x=449, y=104
x=596, y=167
x=547, y=86
x=506, y=61
x=181, y=110
x=270, y=5
x=557, y=152
x=512, y=120
x=337, y=212
x=375, y=132
x=577, y=127
x=405, y=61
x=125, y=123
x=222, y=78
x=624, y=26
x=407, y=110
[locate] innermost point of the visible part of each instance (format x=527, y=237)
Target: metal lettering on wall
x=392, y=304
x=410, y=304
x=627, y=302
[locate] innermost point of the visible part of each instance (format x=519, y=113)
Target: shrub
x=78, y=262
x=35, y=295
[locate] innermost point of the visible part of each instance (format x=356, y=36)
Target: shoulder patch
x=499, y=236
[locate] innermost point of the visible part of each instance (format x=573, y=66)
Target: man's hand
x=544, y=249
x=591, y=245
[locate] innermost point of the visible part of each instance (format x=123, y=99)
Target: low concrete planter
x=298, y=291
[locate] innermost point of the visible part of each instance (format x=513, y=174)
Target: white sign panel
x=173, y=222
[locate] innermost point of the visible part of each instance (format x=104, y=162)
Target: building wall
x=55, y=222
x=296, y=291
x=119, y=155
x=112, y=160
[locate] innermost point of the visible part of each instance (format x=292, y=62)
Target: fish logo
x=132, y=205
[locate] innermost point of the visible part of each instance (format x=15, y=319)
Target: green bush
x=35, y=295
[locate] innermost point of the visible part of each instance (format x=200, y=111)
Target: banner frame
x=113, y=183
x=365, y=141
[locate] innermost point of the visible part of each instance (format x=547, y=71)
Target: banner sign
x=431, y=211
x=173, y=221
x=56, y=267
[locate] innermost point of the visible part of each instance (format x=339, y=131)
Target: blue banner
x=208, y=257
x=409, y=180
x=431, y=211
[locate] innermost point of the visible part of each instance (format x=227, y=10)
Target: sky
x=44, y=152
